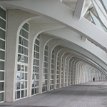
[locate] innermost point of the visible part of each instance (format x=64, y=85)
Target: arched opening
x=35, y=74
x=45, y=70
x=22, y=62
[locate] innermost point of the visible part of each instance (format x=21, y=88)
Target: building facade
x=46, y=45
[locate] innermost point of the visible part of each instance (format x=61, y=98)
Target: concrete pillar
x=56, y=59
x=43, y=39
x=15, y=19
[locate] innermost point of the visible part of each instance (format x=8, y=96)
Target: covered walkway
x=53, y=53
x=93, y=94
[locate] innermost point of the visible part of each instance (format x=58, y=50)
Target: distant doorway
x=93, y=79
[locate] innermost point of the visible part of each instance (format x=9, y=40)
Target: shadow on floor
x=81, y=90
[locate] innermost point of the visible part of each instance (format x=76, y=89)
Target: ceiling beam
x=79, y=8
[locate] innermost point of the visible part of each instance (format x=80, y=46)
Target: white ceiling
x=70, y=3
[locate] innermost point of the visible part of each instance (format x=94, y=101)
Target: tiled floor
x=84, y=95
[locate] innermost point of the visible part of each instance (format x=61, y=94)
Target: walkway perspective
x=83, y=95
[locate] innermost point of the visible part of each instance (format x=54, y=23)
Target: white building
x=49, y=44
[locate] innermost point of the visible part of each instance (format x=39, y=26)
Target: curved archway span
x=81, y=56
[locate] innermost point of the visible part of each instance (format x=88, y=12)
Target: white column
x=15, y=19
